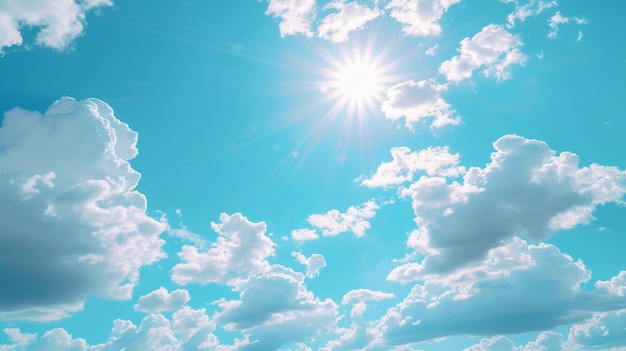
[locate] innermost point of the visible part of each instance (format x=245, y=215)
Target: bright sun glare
x=357, y=81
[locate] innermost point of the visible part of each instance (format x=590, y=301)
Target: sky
x=312, y=175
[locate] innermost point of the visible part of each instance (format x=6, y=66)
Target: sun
x=357, y=81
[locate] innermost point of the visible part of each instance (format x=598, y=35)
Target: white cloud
x=350, y=16
x=17, y=339
x=555, y=21
x=297, y=16
x=526, y=190
x=304, y=234
x=313, y=264
x=241, y=248
x=419, y=17
x=72, y=223
x=432, y=161
x=275, y=308
x=601, y=332
x=162, y=300
x=188, y=329
x=530, y=8
x=496, y=299
x=432, y=51
x=362, y=295
x=546, y=341
x=494, y=48
x=59, y=21
x=354, y=220
x=415, y=101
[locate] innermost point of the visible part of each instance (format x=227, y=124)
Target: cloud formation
x=72, y=223
x=493, y=48
x=241, y=248
x=296, y=16
x=59, y=21
x=518, y=288
x=275, y=308
x=419, y=17
x=433, y=161
x=416, y=101
x=313, y=264
x=526, y=190
x=350, y=16
x=354, y=220
x=162, y=300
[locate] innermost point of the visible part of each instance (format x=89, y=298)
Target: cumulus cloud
x=304, y=234
x=493, y=48
x=275, y=308
x=162, y=300
x=557, y=20
x=59, y=21
x=434, y=161
x=527, y=8
x=350, y=16
x=420, y=17
x=546, y=341
x=241, y=248
x=354, y=220
x=72, y=223
x=313, y=264
x=296, y=16
x=497, y=299
x=601, y=332
x=525, y=190
x=415, y=101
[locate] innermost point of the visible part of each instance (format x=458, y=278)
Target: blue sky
x=312, y=175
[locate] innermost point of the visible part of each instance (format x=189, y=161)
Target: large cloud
x=59, y=21
x=186, y=330
x=72, y=222
x=518, y=288
x=493, y=48
x=241, y=248
x=417, y=101
x=349, y=17
x=275, y=308
x=526, y=190
x=420, y=17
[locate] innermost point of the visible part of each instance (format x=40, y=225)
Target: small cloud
x=313, y=264
x=350, y=17
x=161, y=300
x=354, y=220
x=304, y=234
x=432, y=51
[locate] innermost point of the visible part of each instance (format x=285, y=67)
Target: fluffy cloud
x=357, y=336
x=555, y=21
x=603, y=331
x=297, y=16
x=241, y=248
x=498, y=296
x=415, y=101
x=275, y=308
x=72, y=223
x=59, y=21
x=354, y=220
x=162, y=300
x=525, y=190
x=494, y=48
x=546, y=341
x=349, y=17
x=525, y=9
x=419, y=17
x=304, y=234
x=313, y=264
x=188, y=329
x=434, y=161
